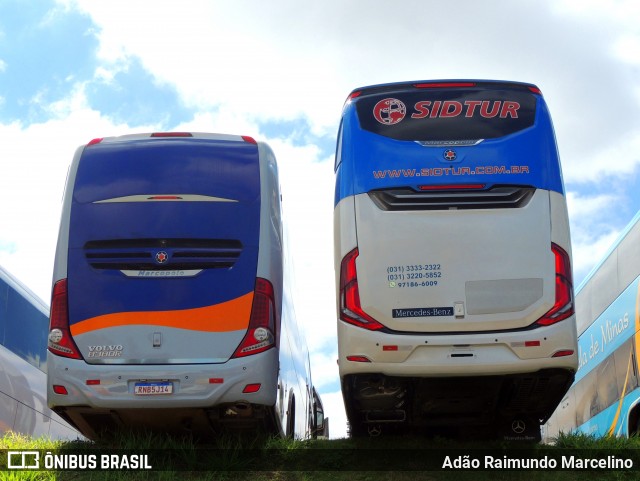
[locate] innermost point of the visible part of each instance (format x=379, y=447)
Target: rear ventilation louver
x=175, y=254
x=497, y=197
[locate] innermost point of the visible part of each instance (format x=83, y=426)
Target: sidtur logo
x=389, y=111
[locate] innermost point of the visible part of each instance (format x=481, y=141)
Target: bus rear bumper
x=454, y=379
x=104, y=396
x=439, y=355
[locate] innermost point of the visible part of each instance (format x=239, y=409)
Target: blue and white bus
x=171, y=304
x=23, y=352
x=452, y=258
x=605, y=398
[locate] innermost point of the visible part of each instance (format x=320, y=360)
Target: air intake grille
x=162, y=254
x=497, y=197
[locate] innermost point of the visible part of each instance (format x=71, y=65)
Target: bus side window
x=607, y=383
x=586, y=398
x=25, y=330
x=625, y=365
x=338, y=148
x=4, y=316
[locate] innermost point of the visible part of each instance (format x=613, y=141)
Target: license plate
x=152, y=388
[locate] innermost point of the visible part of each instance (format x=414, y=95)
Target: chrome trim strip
x=449, y=143
x=152, y=274
x=164, y=198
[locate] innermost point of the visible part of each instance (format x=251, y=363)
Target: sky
x=74, y=70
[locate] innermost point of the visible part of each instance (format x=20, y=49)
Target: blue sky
x=72, y=70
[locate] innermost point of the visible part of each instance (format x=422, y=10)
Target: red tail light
x=60, y=341
x=261, y=333
x=452, y=187
x=563, y=306
x=563, y=353
x=172, y=134
x=251, y=388
x=353, y=95
x=444, y=85
x=249, y=140
x=164, y=197
x=350, y=309
x=358, y=359
x=58, y=389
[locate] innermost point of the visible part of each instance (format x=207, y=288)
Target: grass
x=400, y=458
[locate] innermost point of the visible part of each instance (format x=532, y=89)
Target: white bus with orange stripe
x=170, y=305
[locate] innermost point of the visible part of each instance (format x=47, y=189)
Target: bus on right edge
x=605, y=397
x=453, y=259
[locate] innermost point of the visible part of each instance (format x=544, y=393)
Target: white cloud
x=334, y=410
x=627, y=47
x=592, y=230
x=36, y=159
x=275, y=60
x=588, y=253
x=324, y=367
x=587, y=207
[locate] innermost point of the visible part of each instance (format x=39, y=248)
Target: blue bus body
x=528, y=156
x=171, y=290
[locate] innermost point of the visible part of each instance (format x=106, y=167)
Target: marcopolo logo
x=162, y=257
x=389, y=111
x=450, y=155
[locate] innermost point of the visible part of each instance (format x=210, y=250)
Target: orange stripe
x=227, y=316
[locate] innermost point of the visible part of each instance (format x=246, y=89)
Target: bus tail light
x=452, y=187
x=171, y=134
x=563, y=353
x=350, y=309
x=58, y=389
x=261, y=332
x=60, y=341
x=444, y=85
x=358, y=359
x=252, y=388
x=563, y=307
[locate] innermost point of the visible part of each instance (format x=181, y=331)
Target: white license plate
x=152, y=388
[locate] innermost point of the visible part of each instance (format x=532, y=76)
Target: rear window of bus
x=446, y=114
